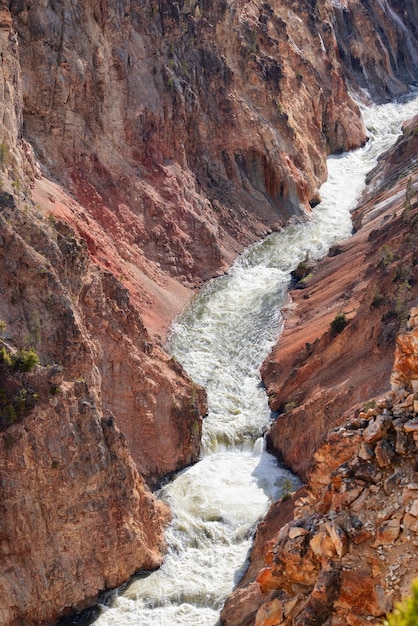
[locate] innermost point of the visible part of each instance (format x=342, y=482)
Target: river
x=221, y=340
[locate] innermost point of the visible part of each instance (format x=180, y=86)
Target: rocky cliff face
x=349, y=551
x=189, y=130
x=340, y=552
x=76, y=516
x=315, y=374
x=142, y=145
x=67, y=473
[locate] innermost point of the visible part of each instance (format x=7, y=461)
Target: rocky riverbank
x=315, y=375
x=141, y=148
x=348, y=549
x=342, y=550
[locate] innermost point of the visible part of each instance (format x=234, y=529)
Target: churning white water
x=221, y=340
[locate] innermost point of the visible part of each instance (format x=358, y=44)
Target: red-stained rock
x=324, y=375
x=388, y=531
x=270, y=614
x=377, y=428
x=362, y=595
x=170, y=157
x=69, y=487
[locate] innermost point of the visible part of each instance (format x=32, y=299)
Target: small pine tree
x=405, y=612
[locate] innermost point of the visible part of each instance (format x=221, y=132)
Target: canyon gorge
x=143, y=146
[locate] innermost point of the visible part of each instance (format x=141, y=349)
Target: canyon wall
x=314, y=374
x=346, y=552
x=341, y=551
x=142, y=145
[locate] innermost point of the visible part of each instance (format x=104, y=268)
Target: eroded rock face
x=76, y=516
x=187, y=130
x=349, y=552
x=183, y=131
x=67, y=472
x=56, y=300
x=315, y=375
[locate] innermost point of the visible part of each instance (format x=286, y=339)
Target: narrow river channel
x=221, y=340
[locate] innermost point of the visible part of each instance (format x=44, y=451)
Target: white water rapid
x=221, y=340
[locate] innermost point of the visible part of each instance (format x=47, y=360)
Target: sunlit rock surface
x=141, y=148
x=350, y=550
x=314, y=375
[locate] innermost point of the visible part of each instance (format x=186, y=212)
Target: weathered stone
x=56, y=375
x=348, y=494
x=339, y=538
x=388, y=532
x=363, y=470
x=378, y=428
x=270, y=614
x=403, y=444
x=392, y=482
x=410, y=522
x=366, y=451
x=362, y=595
x=411, y=426
x=362, y=536
x=243, y=605
x=413, y=508
x=323, y=545
x=319, y=605
x=297, y=531
x=384, y=453
x=267, y=580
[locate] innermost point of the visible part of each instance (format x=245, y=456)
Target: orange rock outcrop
x=349, y=552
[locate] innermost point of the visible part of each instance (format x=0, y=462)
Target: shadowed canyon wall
x=142, y=145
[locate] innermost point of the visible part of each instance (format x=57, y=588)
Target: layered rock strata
x=315, y=374
x=176, y=133
x=349, y=551
x=189, y=130
x=77, y=517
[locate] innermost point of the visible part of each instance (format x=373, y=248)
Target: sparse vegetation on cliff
x=17, y=397
x=406, y=612
x=339, y=323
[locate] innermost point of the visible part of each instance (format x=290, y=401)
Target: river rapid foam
x=221, y=340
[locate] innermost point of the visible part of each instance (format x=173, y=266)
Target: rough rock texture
x=76, y=517
x=55, y=300
x=350, y=550
x=187, y=130
x=67, y=473
x=175, y=123
x=169, y=135
x=315, y=375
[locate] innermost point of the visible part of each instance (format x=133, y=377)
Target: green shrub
x=406, y=612
x=25, y=360
x=377, y=299
x=370, y=404
x=339, y=323
x=386, y=257
x=5, y=357
x=287, y=487
x=9, y=414
x=289, y=406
